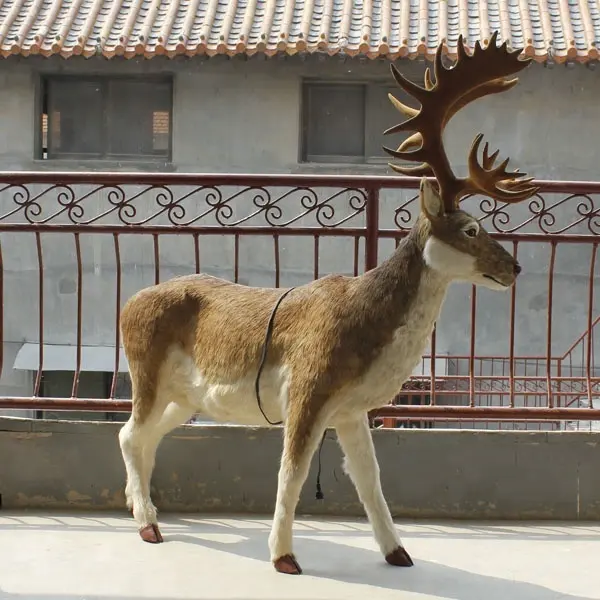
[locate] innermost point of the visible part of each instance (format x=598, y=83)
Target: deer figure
x=339, y=346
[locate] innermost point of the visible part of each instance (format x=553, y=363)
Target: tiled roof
x=567, y=29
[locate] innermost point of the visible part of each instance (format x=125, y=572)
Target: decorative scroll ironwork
x=196, y=206
x=540, y=214
x=550, y=217
x=279, y=205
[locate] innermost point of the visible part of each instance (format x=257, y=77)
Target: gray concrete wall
x=235, y=116
x=457, y=474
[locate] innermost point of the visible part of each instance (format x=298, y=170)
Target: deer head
x=457, y=244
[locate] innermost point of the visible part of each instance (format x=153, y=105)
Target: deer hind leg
x=175, y=414
x=139, y=442
x=132, y=439
x=301, y=438
x=361, y=465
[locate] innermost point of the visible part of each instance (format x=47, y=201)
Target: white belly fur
x=226, y=401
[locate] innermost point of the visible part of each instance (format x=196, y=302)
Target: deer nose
x=517, y=268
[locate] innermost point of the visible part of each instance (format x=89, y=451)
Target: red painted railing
x=51, y=223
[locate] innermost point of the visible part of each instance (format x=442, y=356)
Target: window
x=344, y=122
x=106, y=118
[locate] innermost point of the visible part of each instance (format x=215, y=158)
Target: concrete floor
x=48, y=556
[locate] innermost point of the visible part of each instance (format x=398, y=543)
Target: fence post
x=372, y=224
x=371, y=243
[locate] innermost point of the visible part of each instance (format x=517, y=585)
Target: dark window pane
x=138, y=118
x=334, y=121
x=382, y=115
x=107, y=118
x=75, y=118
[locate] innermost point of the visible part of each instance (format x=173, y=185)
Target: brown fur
x=331, y=330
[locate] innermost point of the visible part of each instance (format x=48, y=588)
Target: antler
x=473, y=76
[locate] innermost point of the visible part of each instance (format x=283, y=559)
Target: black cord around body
x=263, y=358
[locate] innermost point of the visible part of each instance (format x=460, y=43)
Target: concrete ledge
x=425, y=474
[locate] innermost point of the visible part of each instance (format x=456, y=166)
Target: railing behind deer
x=113, y=233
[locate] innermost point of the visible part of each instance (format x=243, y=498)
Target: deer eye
x=470, y=231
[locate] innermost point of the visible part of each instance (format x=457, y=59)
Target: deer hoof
x=151, y=534
x=287, y=564
x=399, y=558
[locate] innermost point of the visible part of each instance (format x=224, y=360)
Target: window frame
x=329, y=158
x=43, y=108
x=368, y=87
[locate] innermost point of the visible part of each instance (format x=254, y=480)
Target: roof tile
x=391, y=28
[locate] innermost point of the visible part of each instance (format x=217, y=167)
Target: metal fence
x=117, y=232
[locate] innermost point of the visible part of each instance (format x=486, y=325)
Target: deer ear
x=431, y=202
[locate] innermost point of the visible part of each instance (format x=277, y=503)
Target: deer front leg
x=361, y=465
x=301, y=438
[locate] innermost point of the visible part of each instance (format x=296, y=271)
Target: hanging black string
x=263, y=358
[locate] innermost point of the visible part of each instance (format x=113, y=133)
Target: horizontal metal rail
x=253, y=179
x=399, y=412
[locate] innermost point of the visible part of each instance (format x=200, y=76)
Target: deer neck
x=404, y=291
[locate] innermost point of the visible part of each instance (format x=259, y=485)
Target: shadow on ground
x=348, y=564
